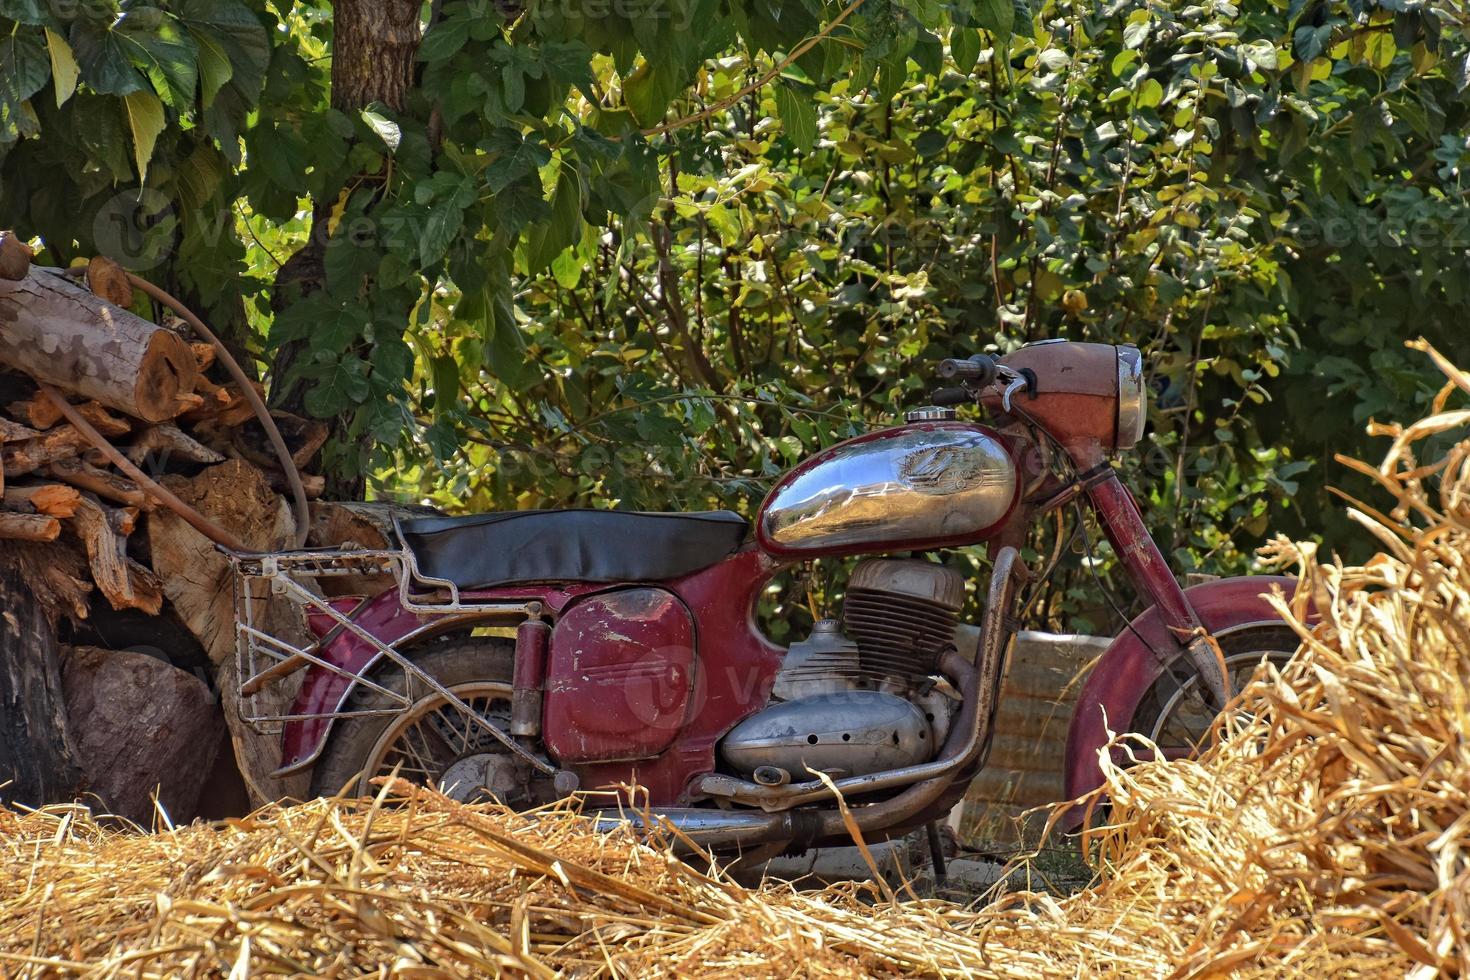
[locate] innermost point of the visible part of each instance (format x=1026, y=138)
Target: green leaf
x=516, y=157
x=105, y=67
x=440, y=226
x=546, y=240
x=567, y=61
x=146, y=120
x=996, y=16
x=340, y=385
x=386, y=129
x=1150, y=94
x=566, y=269
x=25, y=11
x=1260, y=53
x=444, y=39
x=1136, y=32
x=650, y=90
x=798, y=115
x=229, y=28
x=215, y=71
x=964, y=49
x=157, y=43
x=64, y=70
x=24, y=68
x=446, y=384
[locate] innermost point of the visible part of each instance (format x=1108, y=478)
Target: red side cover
x=619, y=676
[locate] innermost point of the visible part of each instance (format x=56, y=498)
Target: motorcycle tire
x=1178, y=690
x=354, y=751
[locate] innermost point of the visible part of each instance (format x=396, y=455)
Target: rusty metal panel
x=1025, y=768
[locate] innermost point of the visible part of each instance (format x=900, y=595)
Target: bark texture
x=142, y=727
x=57, y=331
x=38, y=762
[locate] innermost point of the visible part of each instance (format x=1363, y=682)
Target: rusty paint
x=1122, y=675
x=618, y=676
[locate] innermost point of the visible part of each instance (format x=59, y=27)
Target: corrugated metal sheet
x=1025, y=765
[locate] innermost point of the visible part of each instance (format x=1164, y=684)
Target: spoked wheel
x=1174, y=713
x=437, y=744
x=433, y=742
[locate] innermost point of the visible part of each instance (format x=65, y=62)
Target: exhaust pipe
x=718, y=829
x=979, y=684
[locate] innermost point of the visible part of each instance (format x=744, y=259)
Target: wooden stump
x=199, y=582
x=142, y=726
x=38, y=761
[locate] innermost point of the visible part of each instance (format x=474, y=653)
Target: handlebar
x=980, y=370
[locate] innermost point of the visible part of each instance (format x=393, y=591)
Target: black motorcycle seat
x=484, y=550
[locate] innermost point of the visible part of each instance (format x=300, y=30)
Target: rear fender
x=325, y=692
x=1128, y=668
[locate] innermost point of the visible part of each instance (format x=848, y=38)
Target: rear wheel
x=433, y=742
x=1174, y=713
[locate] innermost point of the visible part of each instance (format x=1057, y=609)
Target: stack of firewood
x=81, y=539
x=142, y=386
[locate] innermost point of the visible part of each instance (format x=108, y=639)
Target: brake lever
x=1025, y=381
x=1018, y=384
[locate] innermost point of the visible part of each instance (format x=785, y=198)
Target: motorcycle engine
x=861, y=696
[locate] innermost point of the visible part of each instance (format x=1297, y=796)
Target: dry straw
x=1327, y=834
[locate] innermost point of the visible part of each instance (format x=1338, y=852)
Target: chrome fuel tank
x=911, y=487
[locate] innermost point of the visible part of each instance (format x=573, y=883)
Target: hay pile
x=1328, y=834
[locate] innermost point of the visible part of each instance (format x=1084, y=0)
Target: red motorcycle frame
x=1056, y=406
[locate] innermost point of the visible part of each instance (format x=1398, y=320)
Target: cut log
x=28, y=527
x=147, y=588
x=15, y=256
x=57, y=331
x=106, y=552
x=161, y=444
x=15, y=432
x=63, y=442
x=204, y=354
x=142, y=726
x=51, y=499
x=314, y=484
x=339, y=524
x=109, y=280
x=104, y=483
x=303, y=437
x=37, y=757
x=41, y=412
x=199, y=584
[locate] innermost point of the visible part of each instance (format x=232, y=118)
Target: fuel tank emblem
x=945, y=469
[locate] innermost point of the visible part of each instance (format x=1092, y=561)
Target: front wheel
x=1174, y=713
x=432, y=742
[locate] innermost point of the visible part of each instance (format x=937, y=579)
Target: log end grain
x=167, y=374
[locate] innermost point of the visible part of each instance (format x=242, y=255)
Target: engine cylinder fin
x=897, y=632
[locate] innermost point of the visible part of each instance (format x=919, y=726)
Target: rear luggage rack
x=265, y=657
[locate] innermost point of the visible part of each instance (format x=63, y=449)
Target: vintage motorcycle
x=533, y=654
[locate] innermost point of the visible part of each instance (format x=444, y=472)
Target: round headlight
x=1132, y=406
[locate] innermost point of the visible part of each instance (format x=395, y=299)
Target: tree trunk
x=38, y=762
x=59, y=332
x=199, y=582
x=374, y=45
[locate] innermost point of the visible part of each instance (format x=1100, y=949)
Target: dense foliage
x=647, y=253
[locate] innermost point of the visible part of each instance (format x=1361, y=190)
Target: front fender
x=1128, y=668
